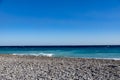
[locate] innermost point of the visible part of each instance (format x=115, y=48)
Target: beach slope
x=13, y=67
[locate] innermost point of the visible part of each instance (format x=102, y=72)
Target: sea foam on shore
x=40, y=54
x=52, y=55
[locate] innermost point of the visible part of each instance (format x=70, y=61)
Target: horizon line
x=62, y=45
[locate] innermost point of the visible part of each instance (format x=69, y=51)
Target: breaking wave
x=38, y=54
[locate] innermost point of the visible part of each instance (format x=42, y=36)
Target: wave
x=45, y=54
x=107, y=58
x=113, y=58
x=33, y=54
x=51, y=55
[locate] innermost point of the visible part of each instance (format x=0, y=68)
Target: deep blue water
x=64, y=51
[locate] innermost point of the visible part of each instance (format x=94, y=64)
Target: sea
x=94, y=51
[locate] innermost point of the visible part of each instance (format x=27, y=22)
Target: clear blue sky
x=59, y=22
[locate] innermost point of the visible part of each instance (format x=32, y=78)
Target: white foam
x=39, y=54
x=50, y=55
x=18, y=54
x=113, y=58
x=109, y=58
x=45, y=54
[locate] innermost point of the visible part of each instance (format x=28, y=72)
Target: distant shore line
x=60, y=46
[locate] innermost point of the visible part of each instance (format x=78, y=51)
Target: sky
x=59, y=22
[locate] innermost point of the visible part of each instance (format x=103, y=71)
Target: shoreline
x=15, y=67
x=51, y=55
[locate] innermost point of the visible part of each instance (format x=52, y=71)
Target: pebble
x=13, y=67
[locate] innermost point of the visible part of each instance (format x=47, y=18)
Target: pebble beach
x=14, y=67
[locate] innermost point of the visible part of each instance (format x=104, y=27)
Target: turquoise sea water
x=65, y=51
